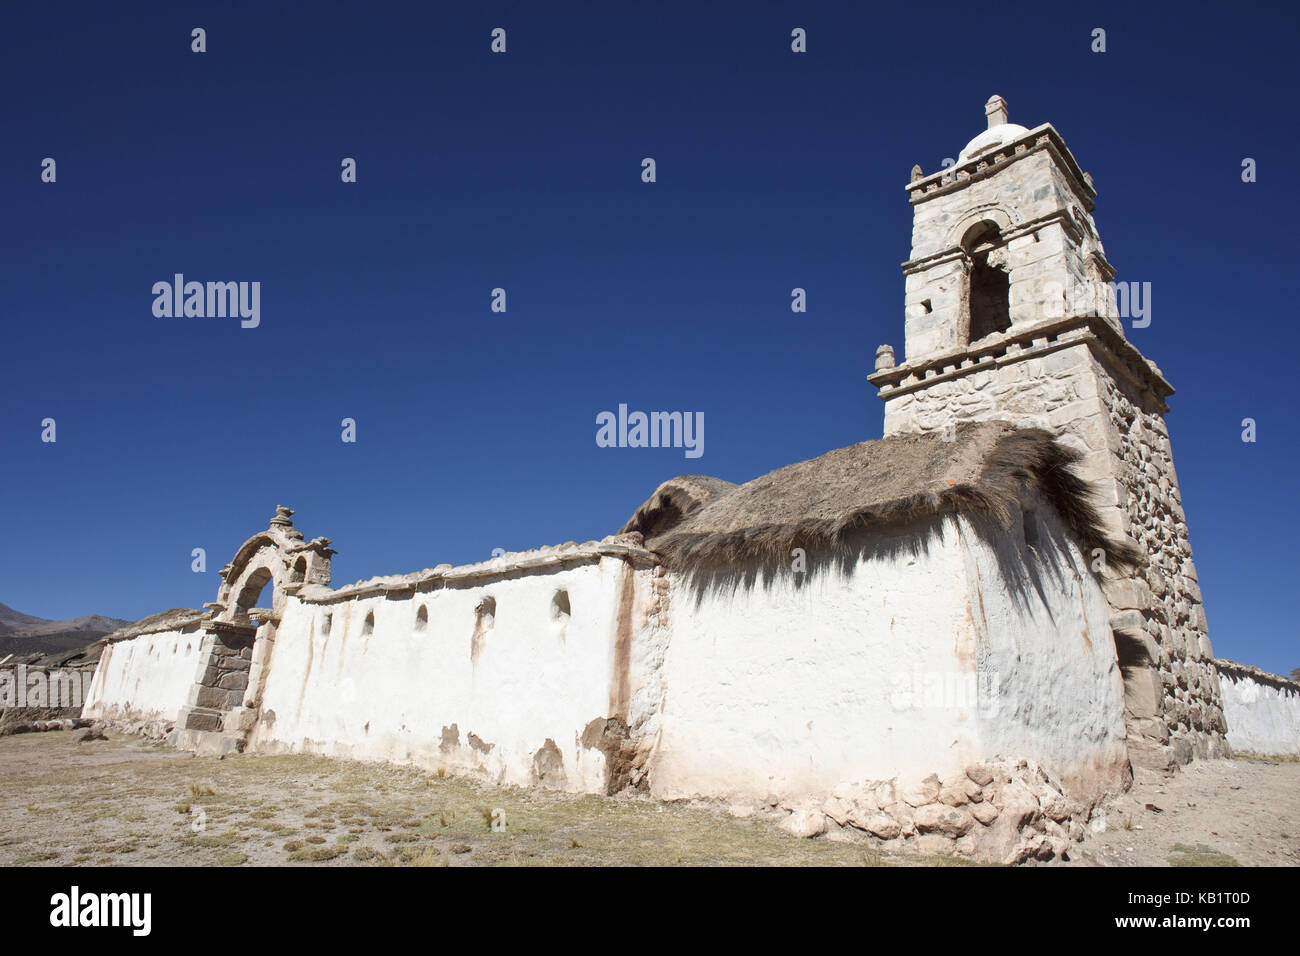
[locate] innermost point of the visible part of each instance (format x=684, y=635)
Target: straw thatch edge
x=1021, y=460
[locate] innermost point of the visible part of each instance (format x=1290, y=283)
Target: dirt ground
x=1241, y=812
x=126, y=801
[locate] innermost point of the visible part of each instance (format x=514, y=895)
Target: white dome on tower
x=991, y=138
x=999, y=133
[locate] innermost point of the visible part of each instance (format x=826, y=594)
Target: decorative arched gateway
x=239, y=637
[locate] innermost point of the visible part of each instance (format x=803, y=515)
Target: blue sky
x=476, y=430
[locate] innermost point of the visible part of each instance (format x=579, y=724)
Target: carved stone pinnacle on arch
x=277, y=556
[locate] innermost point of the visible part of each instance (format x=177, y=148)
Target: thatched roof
x=695, y=522
x=676, y=499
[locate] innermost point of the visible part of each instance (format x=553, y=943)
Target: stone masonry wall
x=220, y=685
x=1164, y=591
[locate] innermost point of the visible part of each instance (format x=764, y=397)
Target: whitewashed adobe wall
x=1058, y=691
x=960, y=689
x=146, y=677
x=1262, y=709
x=519, y=694
x=916, y=663
x=922, y=661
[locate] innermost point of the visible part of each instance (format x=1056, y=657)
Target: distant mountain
x=11, y=620
x=23, y=634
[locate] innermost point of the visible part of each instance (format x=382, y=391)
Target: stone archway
x=252, y=589
x=239, y=637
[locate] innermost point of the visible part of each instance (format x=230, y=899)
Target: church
x=962, y=635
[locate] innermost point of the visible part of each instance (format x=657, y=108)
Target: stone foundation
x=1002, y=812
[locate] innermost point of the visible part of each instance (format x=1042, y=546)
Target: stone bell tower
x=1011, y=314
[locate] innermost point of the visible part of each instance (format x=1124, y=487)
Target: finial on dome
x=996, y=110
x=283, y=517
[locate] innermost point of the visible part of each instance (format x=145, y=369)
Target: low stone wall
x=1262, y=709
x=39, y=697
x=29, y=720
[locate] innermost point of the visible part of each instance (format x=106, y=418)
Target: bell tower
x=1011, y=314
